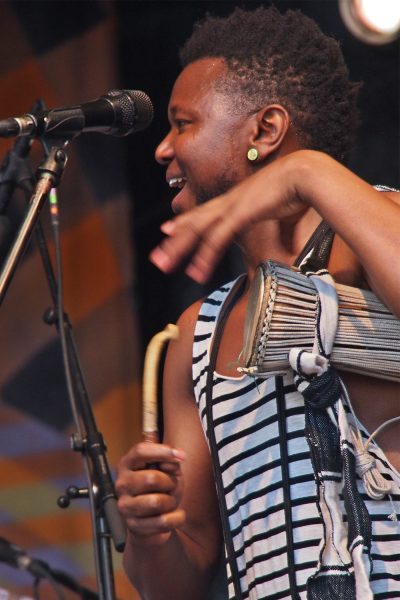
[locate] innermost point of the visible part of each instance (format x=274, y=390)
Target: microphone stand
x=106, y=521
x=15, y=171
x=14, y=556
x=49, y=174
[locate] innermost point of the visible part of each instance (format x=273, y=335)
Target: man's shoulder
x=190, y=315
x=390, y=192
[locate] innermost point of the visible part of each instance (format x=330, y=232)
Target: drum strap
x=314, y=255
x=344, y=565
x=230, y=301
x=316, y=252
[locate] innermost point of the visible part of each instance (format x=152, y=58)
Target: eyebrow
x=174, y=109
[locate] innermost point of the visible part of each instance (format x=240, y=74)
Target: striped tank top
x=255, y=431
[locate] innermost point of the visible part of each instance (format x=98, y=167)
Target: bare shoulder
x=187, y=320
x=179, y=404
x=179, y=355
x=393, y=195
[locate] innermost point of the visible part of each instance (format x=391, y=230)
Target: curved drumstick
x=150, y=375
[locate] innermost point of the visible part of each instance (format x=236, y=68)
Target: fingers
x=136, y=477
x=155, y=531
x=143, y=453
x=197, y=239
x=200, y=236
x=152, y=514
x=148, y=498
x=149, y=505
x=209, y=253
x=147, y=481
x=182, y=241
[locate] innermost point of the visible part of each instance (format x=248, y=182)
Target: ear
x=270, y=131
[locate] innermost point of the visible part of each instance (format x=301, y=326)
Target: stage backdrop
x=64, y=53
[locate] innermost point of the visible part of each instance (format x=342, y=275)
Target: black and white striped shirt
x=248, y=444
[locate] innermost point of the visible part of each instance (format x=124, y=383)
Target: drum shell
x=282, y=313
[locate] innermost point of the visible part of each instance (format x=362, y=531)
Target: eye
x=181, y=124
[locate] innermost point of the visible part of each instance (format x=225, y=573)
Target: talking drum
x=282, y=314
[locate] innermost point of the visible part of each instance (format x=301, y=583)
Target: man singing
x=262, y=120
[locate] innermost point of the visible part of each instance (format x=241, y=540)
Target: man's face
x=205, y=150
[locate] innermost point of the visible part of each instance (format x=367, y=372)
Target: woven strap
x=344, y=564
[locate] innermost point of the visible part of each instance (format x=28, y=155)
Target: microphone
x=14, y=555
x=120, y=112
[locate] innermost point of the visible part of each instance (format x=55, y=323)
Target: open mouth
x=176, y=182
x=184, y=198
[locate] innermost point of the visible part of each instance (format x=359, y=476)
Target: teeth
x=176, y=182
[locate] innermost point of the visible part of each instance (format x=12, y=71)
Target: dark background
x=150, y=35
x=67, y=52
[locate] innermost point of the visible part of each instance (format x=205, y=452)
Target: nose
x=164, y=152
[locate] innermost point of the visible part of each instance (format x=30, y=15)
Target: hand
x=198, y=238
x=201, y=235
x=149, y=498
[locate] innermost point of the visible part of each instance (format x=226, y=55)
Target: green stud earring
x=252, y=154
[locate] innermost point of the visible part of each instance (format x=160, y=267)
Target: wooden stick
x=150, y=378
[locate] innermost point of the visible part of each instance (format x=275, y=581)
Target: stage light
x=372, y=21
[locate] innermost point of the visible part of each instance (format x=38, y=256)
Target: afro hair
x=283, y=58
